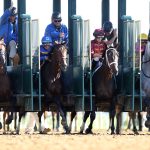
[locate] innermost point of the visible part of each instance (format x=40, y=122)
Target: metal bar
x=31, y=63
x=133, y=66
x=57, y=5
x=7, y=4
x=82, y=53
x=105, y=10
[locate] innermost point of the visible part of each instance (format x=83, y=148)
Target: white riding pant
x=12, y=48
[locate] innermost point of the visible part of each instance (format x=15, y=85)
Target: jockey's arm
x=112, y=40
x=4, y=18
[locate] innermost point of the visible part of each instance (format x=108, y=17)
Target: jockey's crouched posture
x=98, y=48
x=9, y=31
x=45, y=49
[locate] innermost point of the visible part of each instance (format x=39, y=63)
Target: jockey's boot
x=16, y=60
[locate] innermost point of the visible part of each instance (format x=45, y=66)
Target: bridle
x=107, y=60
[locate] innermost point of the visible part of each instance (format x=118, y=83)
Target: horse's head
x=112, y=57
x=60, y=52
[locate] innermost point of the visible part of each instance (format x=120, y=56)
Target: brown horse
x=104, y=88
x=5, y=86
x=51, y=81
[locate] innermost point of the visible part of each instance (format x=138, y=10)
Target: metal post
x=121, y=12
x=7, y=4
x=21, y=10
x=57, y=5
x=71, y=12
x=105, y=10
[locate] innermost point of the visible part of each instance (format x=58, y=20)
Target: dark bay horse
x=6, y=95
x=51, y=81
x=145, y=79
x=104, y=88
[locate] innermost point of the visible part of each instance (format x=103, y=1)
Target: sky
x=87, y=9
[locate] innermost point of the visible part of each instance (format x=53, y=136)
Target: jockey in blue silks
x=45, y=48
x=9, y=31
x=57, y=31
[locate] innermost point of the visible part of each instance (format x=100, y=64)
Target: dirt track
x=100, y=140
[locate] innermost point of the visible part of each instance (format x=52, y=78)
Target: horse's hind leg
x=92, y=118
x=73, y=114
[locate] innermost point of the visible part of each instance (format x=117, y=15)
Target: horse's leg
x=58, y=121
x=112, y=115
x=140, y=121
x=75, y=128
x=129, y=122
x=21, y=114
x=12, y=109
x=86, y=115
x=110, y=122
x=40, y=123
x=62, y=114
x=15, y=121
x=133, y=117
x=73, y=114
x=147, y=122
x=4, y=123
x=119, y=118
x=53, y=120
x=92, y=118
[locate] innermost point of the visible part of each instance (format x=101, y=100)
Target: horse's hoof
x=81, y=132
x=0, y=125
x=45, y=131
x=112, y=132
x=68, y=130
x=88, y=131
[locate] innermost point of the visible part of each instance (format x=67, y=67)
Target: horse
x=6, y=94
x=104, y=88
x=145, y=79
x=51, y=81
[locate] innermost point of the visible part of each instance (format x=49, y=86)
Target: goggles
x=57, y=20
x=46, y=44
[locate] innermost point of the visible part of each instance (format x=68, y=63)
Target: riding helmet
x=98, y=33
x=46, y=40
x=56, y=15
x=14, y=11
x=107, y=26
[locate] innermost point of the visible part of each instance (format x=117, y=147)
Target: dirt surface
x=100, y=140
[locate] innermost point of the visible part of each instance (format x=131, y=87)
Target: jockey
x=57, y=31
x=98, y=47
x=9, y=31
x=110, y=35
x=141, y=41
x=45, y=48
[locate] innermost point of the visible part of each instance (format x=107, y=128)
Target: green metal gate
x=131, y=87
x=81, y=63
